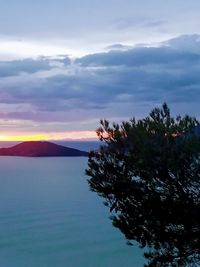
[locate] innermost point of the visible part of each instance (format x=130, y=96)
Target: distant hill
x=41, y=149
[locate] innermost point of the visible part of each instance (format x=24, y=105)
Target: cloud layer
x=118, y=84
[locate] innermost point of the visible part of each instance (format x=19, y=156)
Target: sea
x=50, y=218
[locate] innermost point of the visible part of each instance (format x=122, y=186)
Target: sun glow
x=10, y=49
x=22, y=137
x=73, y=135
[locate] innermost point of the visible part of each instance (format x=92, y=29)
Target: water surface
x=49, y=218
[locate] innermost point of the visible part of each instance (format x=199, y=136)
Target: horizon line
x=45, y=136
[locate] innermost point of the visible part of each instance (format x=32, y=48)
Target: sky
x=64, y=65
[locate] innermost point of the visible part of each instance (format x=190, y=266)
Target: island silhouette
x=41, y=149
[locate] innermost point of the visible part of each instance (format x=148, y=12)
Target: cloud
x=188, y=43
x=140, y=56
x=29, y=65
x=117, y=47
x=138, y=22
x=116, y=84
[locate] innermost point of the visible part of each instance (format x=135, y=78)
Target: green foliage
x=148, y=173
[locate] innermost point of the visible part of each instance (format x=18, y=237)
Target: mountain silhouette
x=41, y=149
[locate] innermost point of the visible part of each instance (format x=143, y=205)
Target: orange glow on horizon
x=70, y=135
x=22, y=137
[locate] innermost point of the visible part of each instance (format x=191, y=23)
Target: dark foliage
x=148, y=172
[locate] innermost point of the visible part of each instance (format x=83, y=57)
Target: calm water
x=48, y=217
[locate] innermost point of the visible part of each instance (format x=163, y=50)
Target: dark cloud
x=112, y=83
x=141, y=56
x=29, y=65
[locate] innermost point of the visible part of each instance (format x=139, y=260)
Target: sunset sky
x=64, y=65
